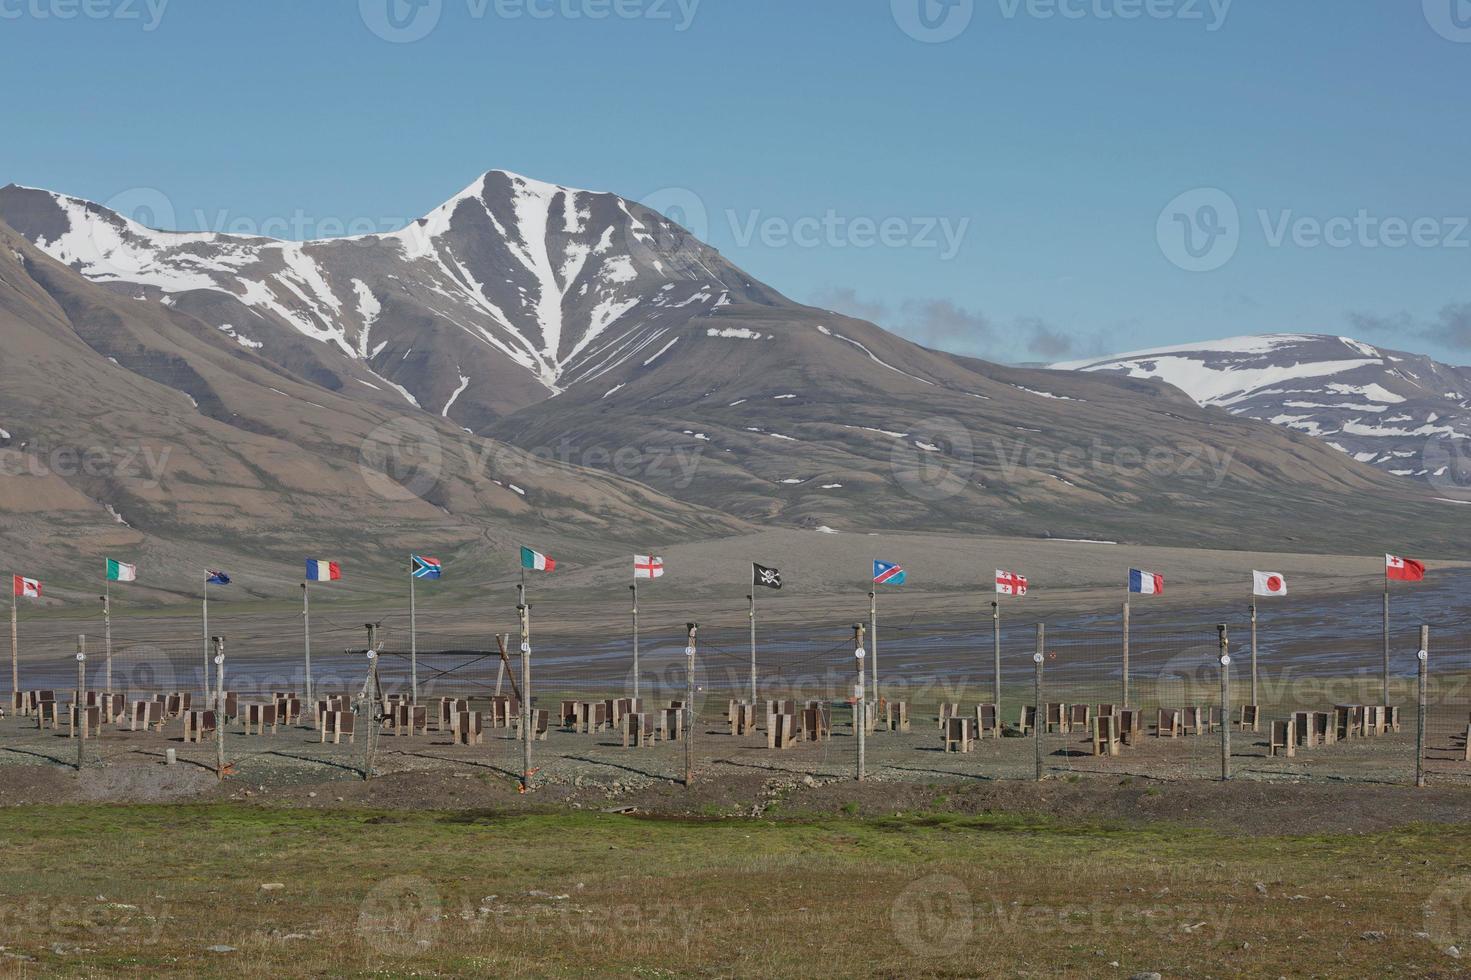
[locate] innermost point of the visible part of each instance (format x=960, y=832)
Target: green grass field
x=148, y=890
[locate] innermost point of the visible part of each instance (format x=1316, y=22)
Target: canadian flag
x=27, y=588
x=1403, y=569
x=1010, y=583
x=1268, y=583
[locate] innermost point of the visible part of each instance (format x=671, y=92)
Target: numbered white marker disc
x=1226, y=660
x=1423, y=655
x=219, y=659
x=526, y=648
x=81, y=657
x=689, y=651
x=860, y=653
x=1036, y=658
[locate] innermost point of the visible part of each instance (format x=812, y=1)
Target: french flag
x=1145, y=583
x=322, y=571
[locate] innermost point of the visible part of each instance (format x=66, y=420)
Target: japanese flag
x=1268, y=583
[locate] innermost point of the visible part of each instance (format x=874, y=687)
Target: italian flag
x=536, y=561
x=120, y=571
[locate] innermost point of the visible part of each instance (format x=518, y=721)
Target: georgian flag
x=1010, y=583
x=1146, y=583
x=1268, y=583
x=322, y=571
x=27, y=588
x=536, y=561
x=647, y=566
x=1403, y=569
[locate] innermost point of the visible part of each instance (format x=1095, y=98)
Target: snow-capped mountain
x=1404, y=413
x=508, y=293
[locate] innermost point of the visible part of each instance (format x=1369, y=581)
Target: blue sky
x=1023, y=179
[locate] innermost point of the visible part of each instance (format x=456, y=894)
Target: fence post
x=860, y=699
x=1039, y=723
x=80, y=706
x=1225, y=703
x=219, y=642
x=689, y=704
x=1424, y=658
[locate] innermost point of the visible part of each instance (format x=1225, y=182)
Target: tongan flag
x=120, y=571
x=1010, y=583
x=1403, y=569
x=27, y=588
x=1146, y=583
x=647, y=566
x=322, y=571
x=216, y=578
x=1268, y=583
x=426, y=567
x=887, y=573
x=536, y=561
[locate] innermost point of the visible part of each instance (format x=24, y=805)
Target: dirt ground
x=1359, y=786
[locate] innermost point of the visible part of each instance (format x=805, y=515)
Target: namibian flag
x=426, y=567
x=536, y=561
x=322, y=571
x=887, y=573
x=1146, y=583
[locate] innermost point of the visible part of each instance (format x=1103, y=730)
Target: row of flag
x=652, y=566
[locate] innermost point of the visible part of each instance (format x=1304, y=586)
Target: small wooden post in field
x=1225, y=703
x=1424, y=657
x=1039, y=724
x=219, y=642
x=689, y=704
x=860, y=699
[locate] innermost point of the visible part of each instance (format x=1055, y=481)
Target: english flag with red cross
x=1403, y=569
x=1010, y=583
x=647, y=566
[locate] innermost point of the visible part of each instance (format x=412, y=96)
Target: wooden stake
x=860, y=699
x=1424, y=657
x=1225, y=703
x=689, y=702
x=219, y=642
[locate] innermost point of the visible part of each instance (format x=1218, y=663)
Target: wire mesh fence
x=1148, y=703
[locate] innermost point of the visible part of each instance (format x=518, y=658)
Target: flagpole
x=1253, y=648
x=1127, y=598
x=107, y=633
x=205, y=607
x=752, y=614
x=1386, y=634
x=873, y=640
x=14, y=651
x=413, y=637
x=996, y=648
x=306, y=635
x=634, y=589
